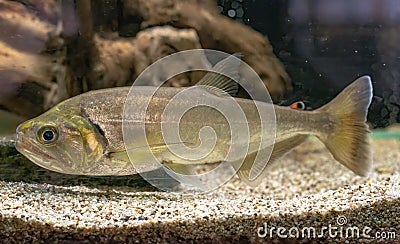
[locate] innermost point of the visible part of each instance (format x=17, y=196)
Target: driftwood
x=215, y=32
x=25, y=76
x=51, y=51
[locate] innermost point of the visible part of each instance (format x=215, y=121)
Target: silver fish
x=83, y=135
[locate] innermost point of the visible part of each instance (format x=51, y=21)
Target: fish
x=83, y=134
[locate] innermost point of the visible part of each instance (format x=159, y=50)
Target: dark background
x=325, y=45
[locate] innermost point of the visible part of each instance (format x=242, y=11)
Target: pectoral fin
x=119, y=156
x=142, y=154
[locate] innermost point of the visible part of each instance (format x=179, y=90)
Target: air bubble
x=231, y=13
x=239, y=12
x=235, y=5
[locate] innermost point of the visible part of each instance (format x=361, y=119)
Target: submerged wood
x=50, y=52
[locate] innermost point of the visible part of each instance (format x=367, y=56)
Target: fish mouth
x=38, y=156
x=28, y=149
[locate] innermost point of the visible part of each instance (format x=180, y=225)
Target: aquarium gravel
x=307, y=188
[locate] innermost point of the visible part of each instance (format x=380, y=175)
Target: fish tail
x=349, y=142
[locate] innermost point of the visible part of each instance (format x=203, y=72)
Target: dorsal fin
x=217, y=79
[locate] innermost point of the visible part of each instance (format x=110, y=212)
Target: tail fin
x=349, y=143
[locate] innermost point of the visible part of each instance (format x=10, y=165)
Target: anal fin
x=279, y=150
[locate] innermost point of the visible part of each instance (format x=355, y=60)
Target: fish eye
x=47, y=134
x=301, y=105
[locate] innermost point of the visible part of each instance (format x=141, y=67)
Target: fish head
x=61, y=141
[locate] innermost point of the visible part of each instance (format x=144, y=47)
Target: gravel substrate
x=307, y=190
